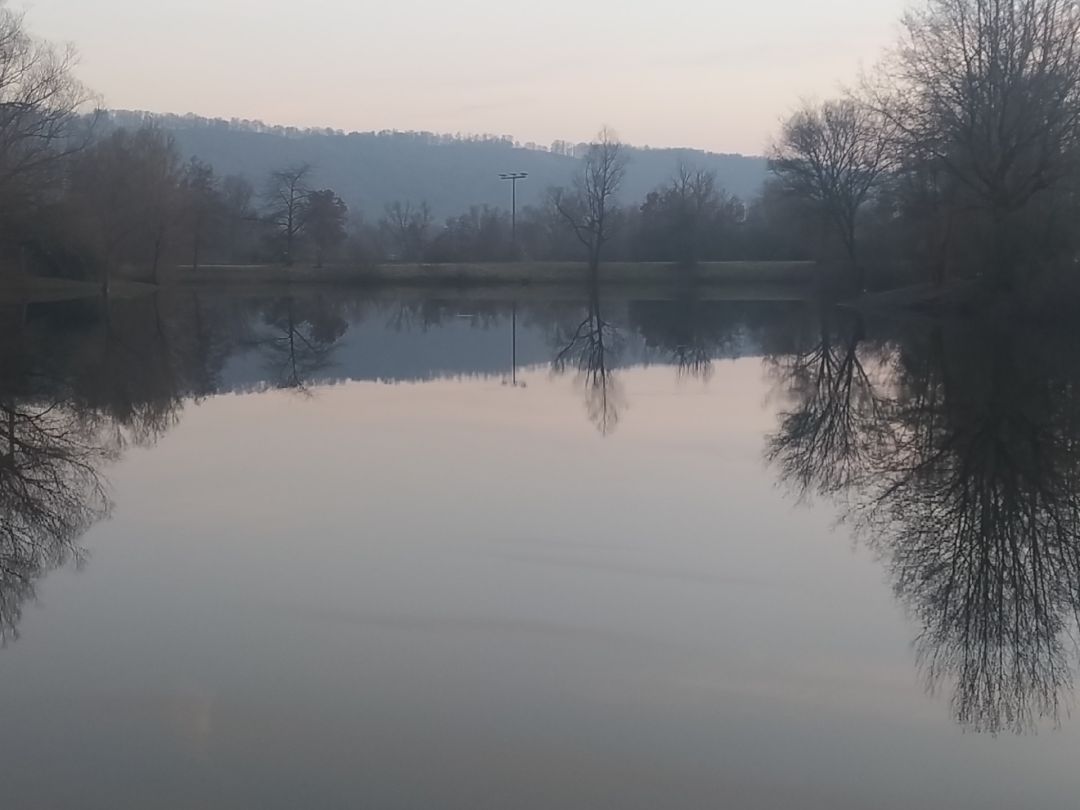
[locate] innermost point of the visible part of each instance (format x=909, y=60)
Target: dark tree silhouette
x=827, y=441
x=407, y=229
x=589, y=206
x=125, y=195
x=51, y=492
x=39, y=103
x=969, y=488
x=202, y=205
x=286, y=196
x=988, y=91
x=298, y=340
x=834, y=155
x=591, y=349
x=324, y=216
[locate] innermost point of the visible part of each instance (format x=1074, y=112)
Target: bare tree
x=834, y=154
x=682, y=219
x=286, y=195
x=325, y=215
x=236, y=196
x=592, y=349
x=991, y=88
x=407, y=226
x=588, y=207
x=125, y=190
x=39, y=104
x=161, y=184
x=202, y=204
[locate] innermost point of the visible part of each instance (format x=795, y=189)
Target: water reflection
x=830, y=435
x=592, y=348
x=960, y=465
x=297, y=339
x=51, y=492
x=951, y=450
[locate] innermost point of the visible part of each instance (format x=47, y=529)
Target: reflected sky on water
x=323, y=551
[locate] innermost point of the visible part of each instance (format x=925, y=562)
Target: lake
x=337, y=549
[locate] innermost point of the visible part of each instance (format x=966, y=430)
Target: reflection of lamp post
x=513, y=382
x=513, y=177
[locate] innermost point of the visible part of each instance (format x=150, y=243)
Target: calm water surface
x=329, y=551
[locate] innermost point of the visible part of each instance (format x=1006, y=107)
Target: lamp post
x=513, y=177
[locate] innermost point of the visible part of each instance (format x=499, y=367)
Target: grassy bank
x=523, y=273
x=965, y=297
x=19, y=289
x=721, y=280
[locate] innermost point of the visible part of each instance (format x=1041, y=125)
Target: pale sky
x=712, y=74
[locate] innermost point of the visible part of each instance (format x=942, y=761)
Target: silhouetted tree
x=39, y=103
x=202, y=204
x=125, y=198
x=237, y=195
x=990, y=91
x=834, y=154
x=683, y=220
x=591, y=349
x=286, y=195
x=407, y=228
x=589, y=206
x=482, y=234
x=324, y=217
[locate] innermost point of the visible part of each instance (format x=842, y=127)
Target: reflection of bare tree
x=985, y=552
x=102, y=375
x=592, y=348
x=693, y=332
x=424, y=314
x=50, y=493
x=976, y=497
x=299, y=340
x=694, y=359
x=688, y=332
x=128, y=374
x=970, y=489
x=826, y=440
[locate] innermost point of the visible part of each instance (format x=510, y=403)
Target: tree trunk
x=1001, y=261
x=159, y=243
x=594, y=262
x=106, y=275
x=857, y=271
x=290, y=236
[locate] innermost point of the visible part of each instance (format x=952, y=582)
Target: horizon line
x=515, y=143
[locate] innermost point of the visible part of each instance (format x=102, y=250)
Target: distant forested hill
x=451, y=173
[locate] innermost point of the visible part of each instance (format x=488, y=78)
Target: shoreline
x=734, y=280
x=501, y=273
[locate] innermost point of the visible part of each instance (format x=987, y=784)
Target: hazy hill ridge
x=450, y=172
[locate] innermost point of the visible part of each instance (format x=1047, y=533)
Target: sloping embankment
x=788, y=273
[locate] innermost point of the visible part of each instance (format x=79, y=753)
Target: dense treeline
x=958, y=157
x=90, y=198
x=959, y=154
x=371, y=170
